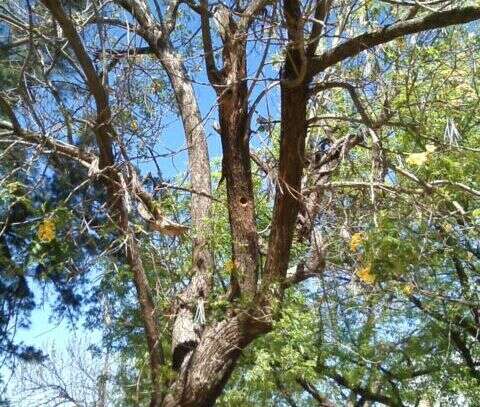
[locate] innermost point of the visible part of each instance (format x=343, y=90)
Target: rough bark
x=293, y=130
x=210, y=366
x=105, y=134
x=236, y=168
x=185, y=336
x=185, y=333
x=231, y=86
x=205, y=359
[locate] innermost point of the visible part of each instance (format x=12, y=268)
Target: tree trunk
x=208, y=369
x=201, y=382
x=185, y=336
x=203, y=375
x=236, y=167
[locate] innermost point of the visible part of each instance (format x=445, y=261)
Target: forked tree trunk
x=209, y=358
x=204, y=359
x=202, y=381
x=203, y=378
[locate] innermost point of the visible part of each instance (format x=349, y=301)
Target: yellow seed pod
x=366, y=275
x=46, y=231
x=401, y=42
x=229, y=266
x=356, y=240
x=447, y=227
x=408, y=289
x=417, y=158
x=430, y=148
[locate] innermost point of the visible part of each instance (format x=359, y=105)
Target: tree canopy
x=255, y=202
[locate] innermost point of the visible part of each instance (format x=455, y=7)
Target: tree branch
x=353, y=94
x=322, y=9
x=312, y=390
x=212, y=71
x=362, y=391
x=293, y=130
x=105, y=133
x=139, y=10
x=354, y=46
x=67, y=150
x=253, y=9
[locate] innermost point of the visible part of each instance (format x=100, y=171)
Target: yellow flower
x=46, y=231
x=421, y=158
x=134, y=125
x=14, y=187
x=408, y=289
x=356, y=240
x=447, y=227
x=417, y=158
x=366, y=275
x=229, y=266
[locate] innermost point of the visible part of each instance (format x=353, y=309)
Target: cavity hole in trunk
x=243, y=200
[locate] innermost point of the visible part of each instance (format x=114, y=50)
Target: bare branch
x=322, y=9
x=253, y=9
x=353, y=94
x=354, y=46
x=67, y=150
x=212, y=71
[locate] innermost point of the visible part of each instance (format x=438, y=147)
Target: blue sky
x=43, y=330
